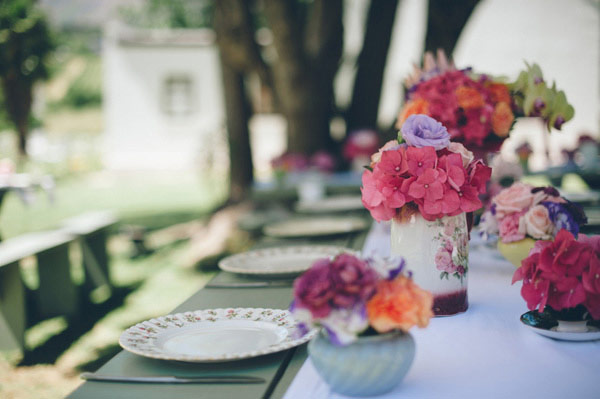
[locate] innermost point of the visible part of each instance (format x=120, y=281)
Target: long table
x=278, y=369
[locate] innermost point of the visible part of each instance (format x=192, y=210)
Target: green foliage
x=169, y=14
x=25, y=40
x=86, y=90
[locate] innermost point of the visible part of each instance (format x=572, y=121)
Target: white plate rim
x=138, y=339
x=564, y=336
x=347, y=224
x=229, y=263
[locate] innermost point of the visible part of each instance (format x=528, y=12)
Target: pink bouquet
x=361, y=143
x=522, y=210
x=426, y=172
x=349, y=296
x=563, y=274
x=479, y=110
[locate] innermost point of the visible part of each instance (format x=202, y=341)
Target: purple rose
x=314, y=289
x=568, y=216
x=422, y=131
x=353, y=279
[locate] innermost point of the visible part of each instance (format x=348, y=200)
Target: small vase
x=515, y=252
x=370, y=366
x=436, y=252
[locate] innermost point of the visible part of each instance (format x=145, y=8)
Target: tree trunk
x=237, y=112
x=239, y=55
x=445, y=21
x=371, y=65
x=303, y=75
x=18, y=97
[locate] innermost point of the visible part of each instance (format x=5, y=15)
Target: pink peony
x=536, y=223
x=466, y=155
x=516, y=198
x=314, y=289
x=509, y=228
x=353, y=280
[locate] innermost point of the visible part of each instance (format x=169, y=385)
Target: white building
x=163, y=98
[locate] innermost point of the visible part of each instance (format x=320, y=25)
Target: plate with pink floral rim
x=315, y=226
x=545, y=325
x=279, y=261
x=215, y=335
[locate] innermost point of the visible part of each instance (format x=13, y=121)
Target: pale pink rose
x=516, y=198
x=509, y=228
x=443, y=260
x=536, y=223
x=387, y=146
x=466, y=155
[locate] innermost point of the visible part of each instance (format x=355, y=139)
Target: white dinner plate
x=315, y=226
x=214, y=335
x=279, y=261
x=542, y=325
x=338, y=203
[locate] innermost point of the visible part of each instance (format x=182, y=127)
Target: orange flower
x=502, y=119
x=469, y=98
x=499, y=93
x=418, y=106
x=399, y=304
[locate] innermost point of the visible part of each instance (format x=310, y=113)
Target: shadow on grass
x=89, y=314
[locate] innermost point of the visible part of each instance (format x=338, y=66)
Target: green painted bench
x=56, y=293
x=90, y=231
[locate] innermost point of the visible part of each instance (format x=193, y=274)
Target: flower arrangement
x=426, y=172
x=522, y=210
x=479, y=110
x=562, y=274
x=289, y=162
x=360, y=144
x=349, y=296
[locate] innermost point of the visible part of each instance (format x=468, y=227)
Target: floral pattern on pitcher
x=451, y=257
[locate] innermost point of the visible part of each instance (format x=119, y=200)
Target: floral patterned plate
x=214, y=335
x=315, y=226
x=279, y=261
x=546, y=326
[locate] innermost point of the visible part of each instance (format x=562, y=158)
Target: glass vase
x=436, y=252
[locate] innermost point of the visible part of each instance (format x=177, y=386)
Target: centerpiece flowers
x=478, y=109
x=562, y=277
x=522, y=214
x=425, y=185
x=365, y=307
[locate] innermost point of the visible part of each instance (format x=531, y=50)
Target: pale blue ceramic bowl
x=370, y=366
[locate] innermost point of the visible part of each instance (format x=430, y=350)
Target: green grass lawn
x=144, y=287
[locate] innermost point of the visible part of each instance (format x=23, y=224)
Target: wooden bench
x=91, y=232
x=56, y=293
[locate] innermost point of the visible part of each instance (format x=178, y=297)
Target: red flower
x=393, y=162
x=479, y=175
x=428, y=186
x=390, y=187
x=373, y=200
x=453, y=166
x=420, y=159
x=469, y=199
x=591, y=277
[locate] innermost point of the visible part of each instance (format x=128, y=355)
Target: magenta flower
x=314, y=289
x=393, y=162
x=353, y=280
x=420, y=159
x=428, y=186
x=390, y=186
x=374, y=200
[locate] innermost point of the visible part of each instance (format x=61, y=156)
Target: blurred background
x=163, y=111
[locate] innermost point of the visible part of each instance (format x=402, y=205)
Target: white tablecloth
x=483, y=353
